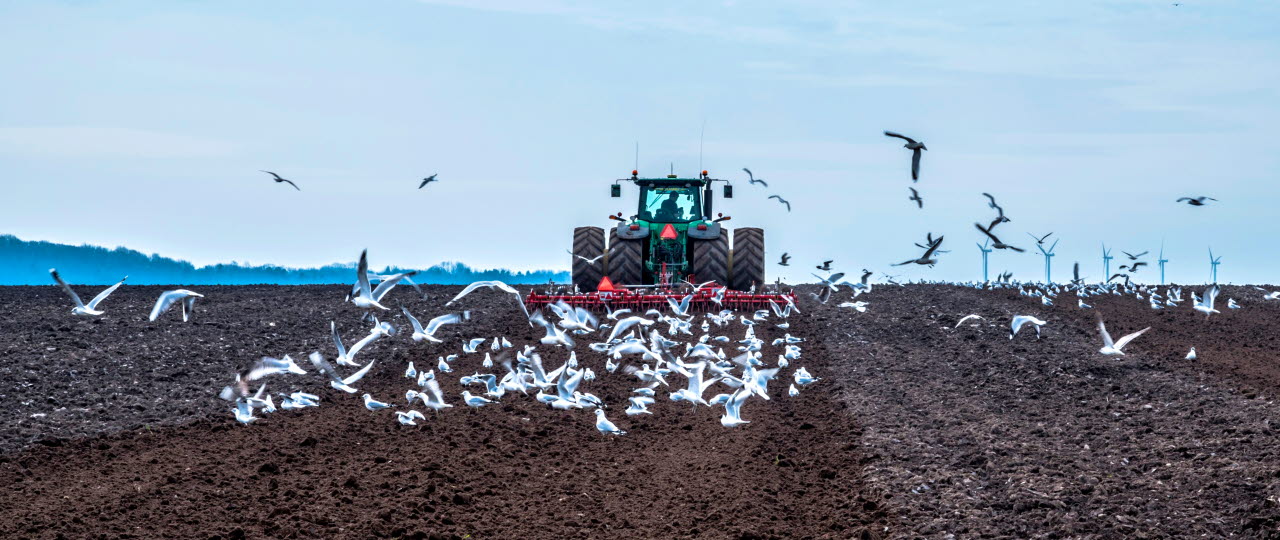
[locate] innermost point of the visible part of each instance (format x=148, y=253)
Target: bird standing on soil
x=373, y=404
x=605, y=426
x=427, y=180
x=1115, y=348
x=81, y=308
x=279, y=179
x=915, y=148
x=751, y=179
x=169, y=298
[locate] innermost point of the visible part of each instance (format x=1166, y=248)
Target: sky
x=145, y=124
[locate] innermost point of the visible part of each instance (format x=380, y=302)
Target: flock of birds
x=657, y=349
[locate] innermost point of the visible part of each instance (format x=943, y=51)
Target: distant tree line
x=28, y=263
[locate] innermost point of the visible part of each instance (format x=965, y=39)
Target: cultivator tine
x=638, y=299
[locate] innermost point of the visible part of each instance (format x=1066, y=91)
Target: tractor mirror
x=615, y=190
x=728, y=191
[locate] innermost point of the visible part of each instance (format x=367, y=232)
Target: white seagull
x=433, y=325
x=605, y=426
x=81, y=308
x=335, y=380
x=1206, y=306
x=169, y=298
x=1020, y=320
x=1114, y=348
x=370, y=298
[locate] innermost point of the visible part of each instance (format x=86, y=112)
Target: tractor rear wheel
x=747, y=268
x=588, y=243
x=711, y=259
x=626, y=260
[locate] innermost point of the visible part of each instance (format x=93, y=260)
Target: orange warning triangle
x=605, y=284
x=668, y=233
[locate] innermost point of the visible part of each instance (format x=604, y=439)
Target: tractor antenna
x=637, y=167
x=673, y=167
x=701, y=136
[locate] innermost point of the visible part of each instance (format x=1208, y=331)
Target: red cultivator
x=642, y=298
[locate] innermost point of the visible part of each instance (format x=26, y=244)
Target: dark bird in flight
x=1075, y=272
x=825, y=266
x=993, y=204
x=866, y=274
x=1196, y=201
x=995, y=242
x=1125, y=276
x=927, y=258
x=781, y=200
x=1040, y=239
x=279, y=179
x=752, y=179
x=1133, y=257
x=784, y=260
x=928, y=241
x=427, y=180
x=1133, y=267
x=915, y=196
x=915, y=148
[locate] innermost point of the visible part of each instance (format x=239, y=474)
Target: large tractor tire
x=588, y=243
x=747, y=267
x=626, y=260
x=711, y=259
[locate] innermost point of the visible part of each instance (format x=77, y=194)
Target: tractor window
x=668, y=205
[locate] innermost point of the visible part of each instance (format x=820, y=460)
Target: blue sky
x=144, y=124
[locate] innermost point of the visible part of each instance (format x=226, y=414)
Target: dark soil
x=117, y=432
x=917, y=430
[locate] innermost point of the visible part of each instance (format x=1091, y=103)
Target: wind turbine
x=1106, y=262
x=985, y=252
x=1214, y=262
x=1048, y=261
x=1163, y=260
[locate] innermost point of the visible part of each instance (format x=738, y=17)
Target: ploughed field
x=112, y=426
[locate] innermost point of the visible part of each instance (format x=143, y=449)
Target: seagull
x=1196, y=201
x=1133, y=267
x=859, y=305
x=433, y=398
x=825, y=266
x=335, y=380
x=427, y=180
x=1020, y=320
x=784, y=260
x=1133, y=257
x=639, y=405
x=373, y=404
x=1191, y=355
x=474, y=401
x=589, y=261
x=926, y=258
x=605, y=426
x=967, y=318
x=169, y=298
x=433, y=325
x=265, y=367
x=995, y=242
x=1040, y=239
x=1114, y=348
x=81, y=308
x=753, y=179
x=803, y=378
x=408, y=418
x=1231, y=303
x=369, y=297
x=915, y=196
x=733, y=408
x=1274, y=295
x=781, y=200
x=915, y=148
x=493, y=284
x=279, y=180
x=1206, y=306
x=792, y=391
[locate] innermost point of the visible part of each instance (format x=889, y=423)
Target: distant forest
x=28, y=263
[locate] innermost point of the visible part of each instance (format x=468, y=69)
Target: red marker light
x=605, y=284
x=635, y=227
x=702, y=226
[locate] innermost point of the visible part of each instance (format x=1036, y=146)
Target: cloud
x=109, y=142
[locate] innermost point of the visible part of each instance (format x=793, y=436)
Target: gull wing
x=900, y=136
x=74, y=297
x=1126, y=339
x=93, y=304
x=337, y=340
x=362, y=275
x=355, y=377
x=386, y=285
x=325, y=367
x=915, y=163
x=1210, y=295
x=417, y=326
x=188, y=306
x=1106, y=337
x=436, y=323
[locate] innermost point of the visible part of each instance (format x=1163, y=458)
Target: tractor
x=671, y=238
x=671, y=250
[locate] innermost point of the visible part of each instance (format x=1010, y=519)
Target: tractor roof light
x=635, y=173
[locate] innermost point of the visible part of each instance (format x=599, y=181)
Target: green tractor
x=672, y=237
